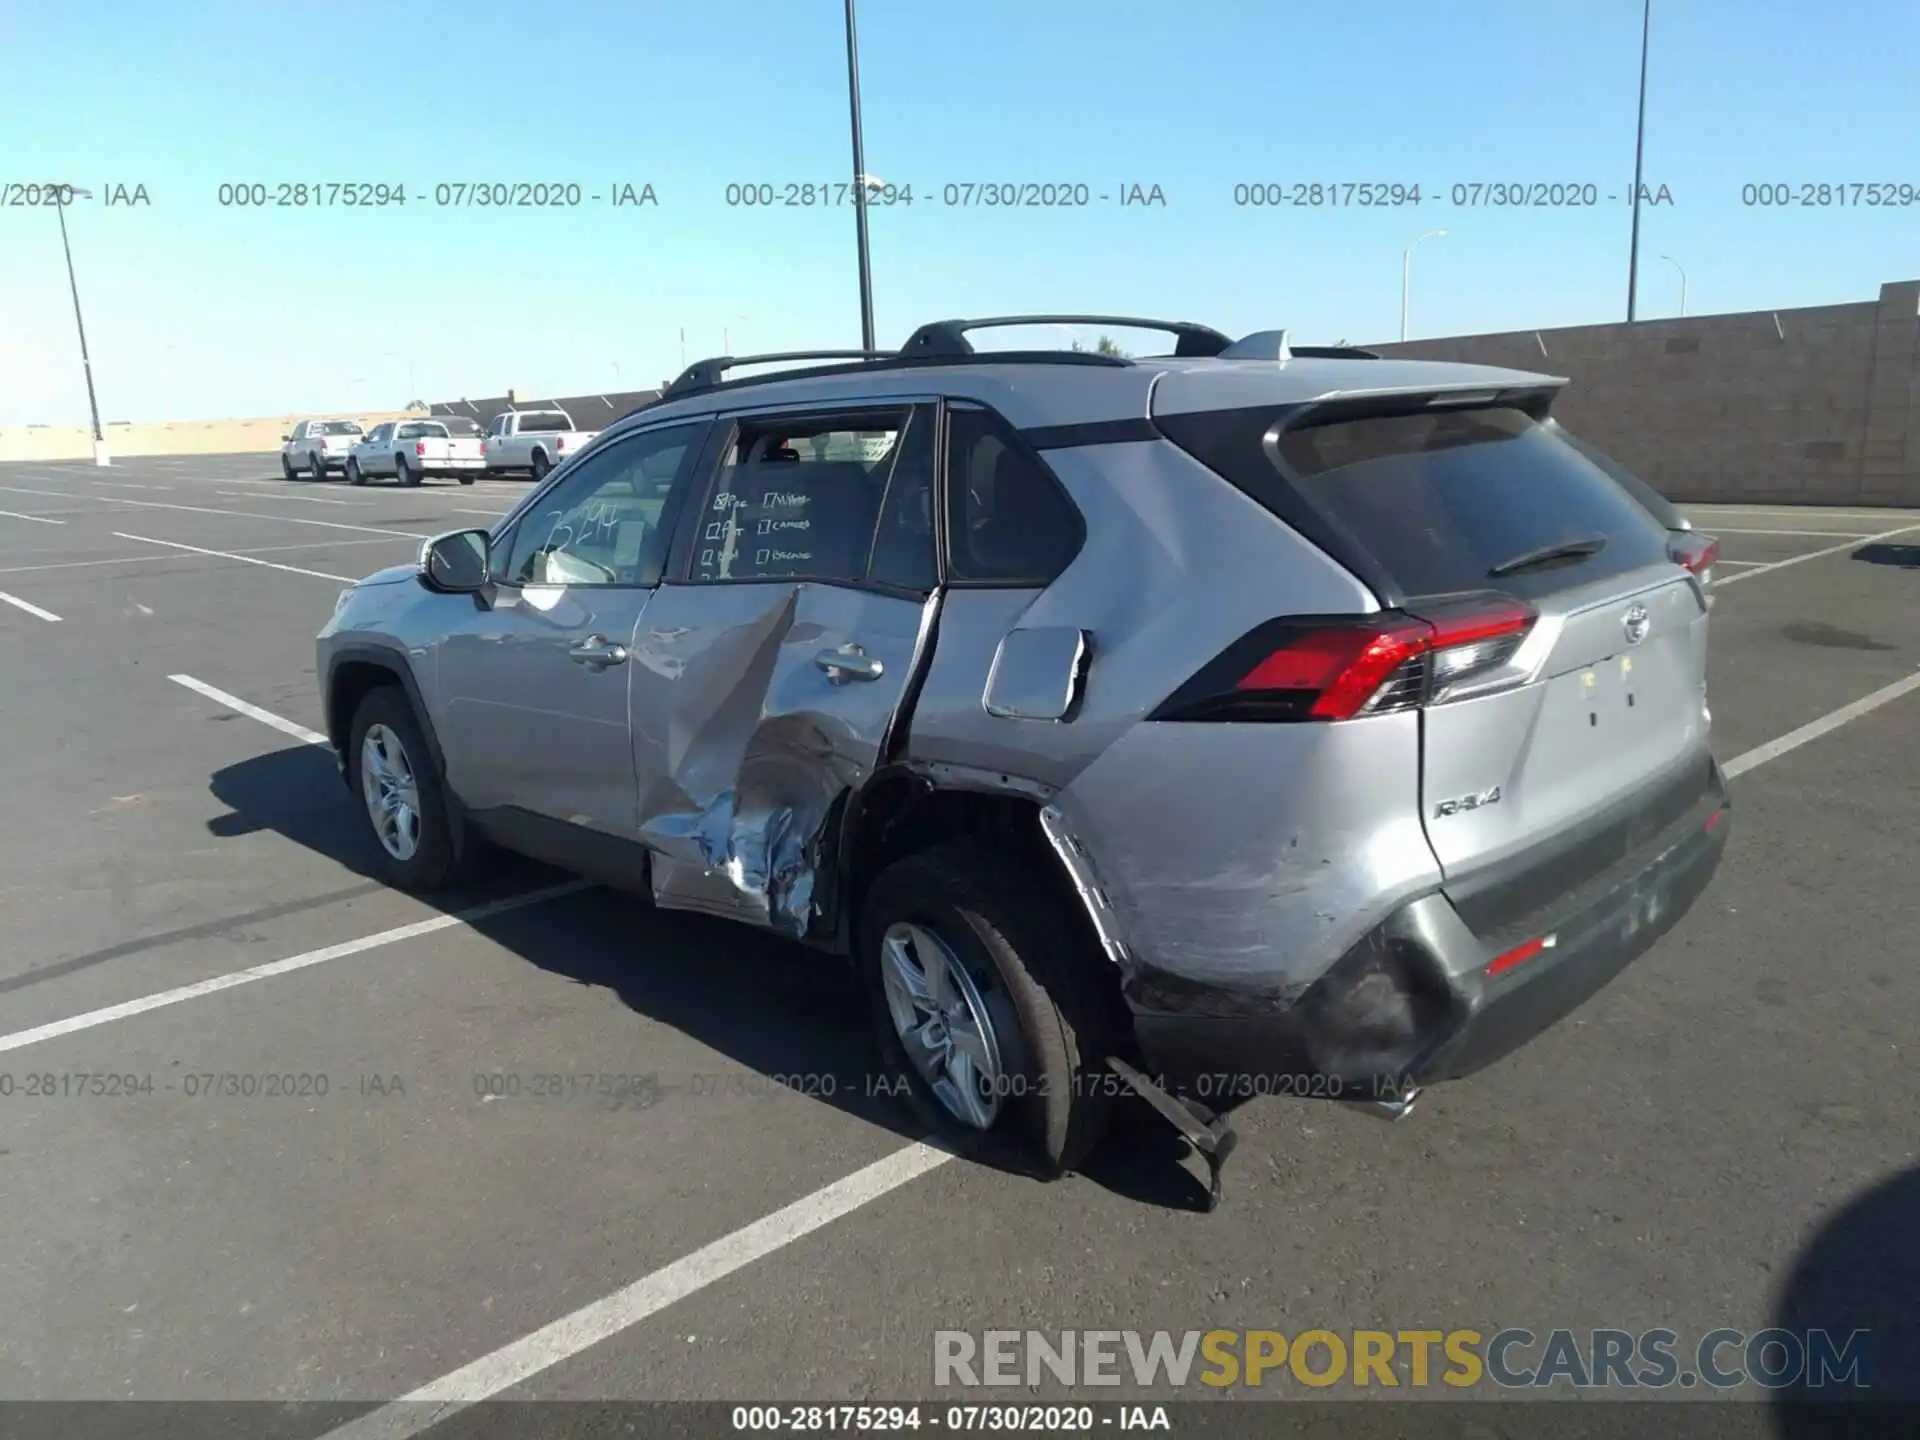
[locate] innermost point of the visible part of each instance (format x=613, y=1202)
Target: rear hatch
x=1558, y=657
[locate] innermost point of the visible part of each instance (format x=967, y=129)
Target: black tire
x=444, y=851
x=316, y=467
x=540, y=466
x=354, y=477
x=286, y=466
x=465, y=479
x=1008, y=930
x=403, y=472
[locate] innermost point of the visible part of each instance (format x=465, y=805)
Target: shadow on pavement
x=1859, y=1272
x=1905, y=556
x=776, y=1008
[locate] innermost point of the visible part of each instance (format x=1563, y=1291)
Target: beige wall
x=181, y=437
x=1818, y=405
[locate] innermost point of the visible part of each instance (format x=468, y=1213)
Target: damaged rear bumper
x=1422, y=998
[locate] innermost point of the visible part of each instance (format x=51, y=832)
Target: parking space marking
x=1773, y=565
x=89, y=1019
x=458, y=510
x=1816, y=534
x=251, y=711
x=241, y=554
x=28, y=606
x=1814, y=729
x=235, y=555
x=127, y=485
x=1743, y=564
x=570, y=1334
x=37, y=519
x=1804, y=512
x=305, y=499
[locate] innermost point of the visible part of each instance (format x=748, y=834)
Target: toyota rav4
x=1247, y=720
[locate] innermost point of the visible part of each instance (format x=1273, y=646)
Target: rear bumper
x=1414, y=1004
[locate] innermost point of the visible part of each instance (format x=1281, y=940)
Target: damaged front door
x=770, y=678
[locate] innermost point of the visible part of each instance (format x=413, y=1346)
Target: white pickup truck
x=410, y=450
x=317, y=446
x=533, y=440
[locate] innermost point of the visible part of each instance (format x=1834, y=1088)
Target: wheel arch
x=353, y=671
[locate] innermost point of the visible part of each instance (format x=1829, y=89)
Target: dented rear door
x=769, y=679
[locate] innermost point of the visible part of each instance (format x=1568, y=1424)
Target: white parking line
x=37, y=519
x=1828, y=534
x=304, y=499
x=214, y=510
x=1743, y=564
x=235, y=555
x=251, y=711
x=127, y=485
x=1803, y=512
x=89, y=1019
x=458, y=510
x=28, y=606
x=1814, y=729
x=569, y=1335
x=1810, y=555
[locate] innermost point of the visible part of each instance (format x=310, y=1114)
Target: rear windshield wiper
x=1559, y=550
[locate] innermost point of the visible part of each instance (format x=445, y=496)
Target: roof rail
x=1335, y=352
x=948, y=338
x=705, y=374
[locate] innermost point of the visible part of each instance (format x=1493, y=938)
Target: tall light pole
x=61, y=195
x=1639, y=155
x=859, y=184
x=1406, y=278
x=1683, y=283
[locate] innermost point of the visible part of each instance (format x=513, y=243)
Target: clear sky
x=198, y=309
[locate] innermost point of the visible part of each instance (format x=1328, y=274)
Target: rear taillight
x=1696, y=553
x=559, y=443
x=420, y=447
x=1338, y=668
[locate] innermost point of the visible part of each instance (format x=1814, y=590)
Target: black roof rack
x=705, y=374
x=945, y=338
x=1335, y=352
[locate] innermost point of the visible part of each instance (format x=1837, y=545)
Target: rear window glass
x=544, y=420
x=1443, y=499
x=339, y=427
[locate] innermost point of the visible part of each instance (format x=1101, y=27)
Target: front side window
x=796, y=498
x=608, y=521
x=379, y=435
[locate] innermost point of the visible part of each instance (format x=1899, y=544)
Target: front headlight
x=340, y=603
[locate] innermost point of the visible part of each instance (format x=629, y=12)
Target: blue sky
x=195, y=309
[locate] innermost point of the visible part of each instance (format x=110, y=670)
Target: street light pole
x=859, y=184
x=1639, y=156
x=1406, y=279
x=1683, y=283
x=61, y=194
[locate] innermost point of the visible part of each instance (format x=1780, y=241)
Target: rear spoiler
x=1535, y=398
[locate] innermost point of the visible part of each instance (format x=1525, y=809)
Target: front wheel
x=419, y=845
x=989, y=1007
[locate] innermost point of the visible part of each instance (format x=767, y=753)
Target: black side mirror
x=456, y=564
x=285, y=438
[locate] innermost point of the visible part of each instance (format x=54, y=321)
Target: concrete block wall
x=1817, y=406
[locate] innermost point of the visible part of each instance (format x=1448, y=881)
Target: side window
x=903, y=541
x=608, y=522
x=379, y=434
x=1008, y=521
x=796, y=498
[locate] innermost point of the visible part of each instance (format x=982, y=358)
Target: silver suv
x=1248, y=720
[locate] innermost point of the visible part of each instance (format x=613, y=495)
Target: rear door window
x=1445, y=500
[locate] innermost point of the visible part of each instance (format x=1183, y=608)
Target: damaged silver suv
x=1247, y=720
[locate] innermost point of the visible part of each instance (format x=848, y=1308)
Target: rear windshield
x=1445, y=499
x=461, y=427
x=423, y=430
x=544, y=420
x=340, y=427
x=1656, y=504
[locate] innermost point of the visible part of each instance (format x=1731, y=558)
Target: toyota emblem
x=1636, y=622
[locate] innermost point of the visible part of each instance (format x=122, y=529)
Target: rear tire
x=316, y=467
x=354, y=477
x=465, y=479
x=1028, y=972
x=403, y=472
x=286, y=466
x=419, y=845
x=540, y=466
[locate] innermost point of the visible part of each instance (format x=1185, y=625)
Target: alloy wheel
x=391, y=791
x=944, y=1023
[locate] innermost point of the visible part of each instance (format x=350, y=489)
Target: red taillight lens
x=1340, y=668
x=420, y=447
x=559, y=442
x=1696, y=552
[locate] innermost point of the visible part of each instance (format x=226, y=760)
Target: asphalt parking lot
x=1724, y=1137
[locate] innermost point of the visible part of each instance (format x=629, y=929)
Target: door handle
x=598, y=652
x=849, y=662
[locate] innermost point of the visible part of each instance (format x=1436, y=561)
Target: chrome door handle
x=598, y=652
x=849, y=662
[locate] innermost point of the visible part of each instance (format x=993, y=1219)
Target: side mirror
x=456, y=564
x=285, y=438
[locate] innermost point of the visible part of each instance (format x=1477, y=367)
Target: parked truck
x=532, y=440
